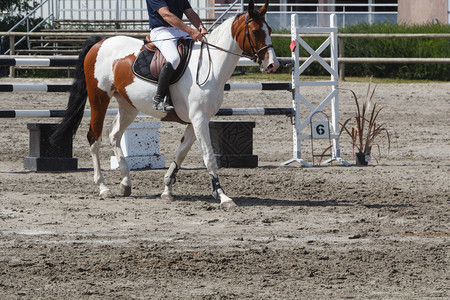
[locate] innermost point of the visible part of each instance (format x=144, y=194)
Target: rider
x=166, y=27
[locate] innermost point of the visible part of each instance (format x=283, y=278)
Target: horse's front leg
x=201, y=129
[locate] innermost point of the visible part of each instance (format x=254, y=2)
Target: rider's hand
x=196, y=35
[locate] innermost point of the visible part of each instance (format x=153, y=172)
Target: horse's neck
x=224, y=63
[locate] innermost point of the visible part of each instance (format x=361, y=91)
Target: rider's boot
x=159, y=101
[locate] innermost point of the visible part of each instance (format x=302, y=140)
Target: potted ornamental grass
x=364, y=129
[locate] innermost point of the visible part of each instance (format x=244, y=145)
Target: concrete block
x=232, y=142
x=140, y=146
x=44, y=156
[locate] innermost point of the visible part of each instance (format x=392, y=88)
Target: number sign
x=320, y=130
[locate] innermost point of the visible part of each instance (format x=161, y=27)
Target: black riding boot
x=159, y=101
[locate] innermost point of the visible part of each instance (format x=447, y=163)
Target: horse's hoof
x=167, y=197
x=228, y=204
x=126, y=190
x=106, y=194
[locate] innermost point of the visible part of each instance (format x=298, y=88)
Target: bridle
x=254, y=56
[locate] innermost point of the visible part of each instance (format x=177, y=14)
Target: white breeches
x=165, y=39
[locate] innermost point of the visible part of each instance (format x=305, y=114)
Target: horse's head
x=252, y=34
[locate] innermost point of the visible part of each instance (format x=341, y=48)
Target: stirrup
x=162, y=105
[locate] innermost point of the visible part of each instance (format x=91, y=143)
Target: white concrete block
x=140, y=146
x=141, y=139
x=141, y=162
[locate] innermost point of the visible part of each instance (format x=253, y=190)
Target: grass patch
x=282, y=77
x=391, y=80
x=361, y=47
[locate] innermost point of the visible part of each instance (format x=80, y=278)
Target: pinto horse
x=104, y=71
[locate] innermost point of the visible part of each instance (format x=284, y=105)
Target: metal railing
x=311, y=14
x=114, y=10
x=341, y=38
x=315, y=14
x=26, y=20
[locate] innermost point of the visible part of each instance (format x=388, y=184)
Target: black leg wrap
x=171, y=174
x=215, y=184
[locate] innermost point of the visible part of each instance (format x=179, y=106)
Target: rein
x=254, y=57
x=205, y=42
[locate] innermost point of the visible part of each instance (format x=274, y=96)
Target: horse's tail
x=78, y=96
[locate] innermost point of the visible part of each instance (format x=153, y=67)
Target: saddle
x=149, y=62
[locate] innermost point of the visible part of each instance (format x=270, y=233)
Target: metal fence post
x=12, y=51
x=341, y=54
x=117, y=23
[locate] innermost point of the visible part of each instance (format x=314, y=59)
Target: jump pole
x=254, y=111
x=282, y=86
x=6, y=61
x=38, y=62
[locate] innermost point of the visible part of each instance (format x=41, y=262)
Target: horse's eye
x=255, y=32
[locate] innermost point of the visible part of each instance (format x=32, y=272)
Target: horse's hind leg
x=169, y=179
x=99, y=101
x=124, y=118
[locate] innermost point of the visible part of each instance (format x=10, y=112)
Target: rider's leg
x=166, y=41
x=163, y=84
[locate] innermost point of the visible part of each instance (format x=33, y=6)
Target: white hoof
x=228, y=204
x=225, y=201
x=167, y=197
x=106, y=194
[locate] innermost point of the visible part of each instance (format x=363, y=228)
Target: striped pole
x=263, y=111
x=110, y=112
x=68, y=62
x=35, y=87
x=38, y=62
x=282, y=86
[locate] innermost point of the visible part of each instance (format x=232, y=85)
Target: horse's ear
x=263, y=10
x=251, y=8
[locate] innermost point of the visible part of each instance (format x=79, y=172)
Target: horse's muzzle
x=271, y=67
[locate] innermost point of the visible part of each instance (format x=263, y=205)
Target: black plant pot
x=362, y=159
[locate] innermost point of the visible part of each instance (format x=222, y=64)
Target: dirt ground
x=331, y=232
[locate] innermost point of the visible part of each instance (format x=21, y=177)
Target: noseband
x=255, y=55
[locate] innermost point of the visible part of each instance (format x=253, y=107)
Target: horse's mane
x=217, y=32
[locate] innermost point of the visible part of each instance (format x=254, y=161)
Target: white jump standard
x=299, y=100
